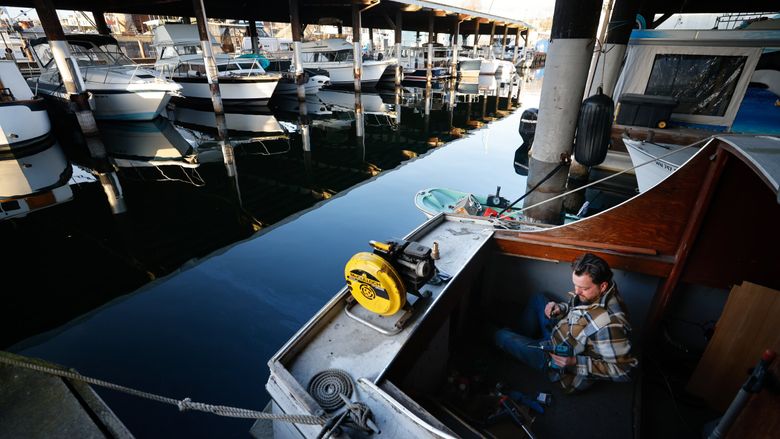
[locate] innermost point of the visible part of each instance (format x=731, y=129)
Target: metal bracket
x=395, y=323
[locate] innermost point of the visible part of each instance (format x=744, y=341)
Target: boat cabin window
x=193, y=49
x=43, y=52
x=703, y=84
x=334, y=56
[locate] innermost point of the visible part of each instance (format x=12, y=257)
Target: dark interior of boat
x=451, y=368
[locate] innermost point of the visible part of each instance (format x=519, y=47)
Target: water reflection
x=235, y=307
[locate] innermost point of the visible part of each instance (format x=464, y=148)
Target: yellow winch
x=379, y=281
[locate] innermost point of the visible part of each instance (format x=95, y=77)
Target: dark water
x=198, y=284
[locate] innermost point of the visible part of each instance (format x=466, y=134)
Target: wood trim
x=689, y=235
x=659, y=266
x=591, y=244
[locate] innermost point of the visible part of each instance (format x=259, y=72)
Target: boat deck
x=334, y=340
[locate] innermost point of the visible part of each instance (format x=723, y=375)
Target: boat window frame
x=643, y=55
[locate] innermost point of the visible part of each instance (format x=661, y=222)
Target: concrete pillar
x=100, y=23
x=398, y=35
x=297, y=33
x=253, y=35
x=79, y=102
x=607, y=68
x=571, y=48
x=371, y=40
x=213, y=80
x=357, y=62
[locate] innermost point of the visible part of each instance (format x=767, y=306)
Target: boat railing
x=191, y=69
x=117, y=74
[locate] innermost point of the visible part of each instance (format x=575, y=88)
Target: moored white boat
x=335, y=55
x=662, y=157
x=242, y=81
x=23, y=117
x=120, y=89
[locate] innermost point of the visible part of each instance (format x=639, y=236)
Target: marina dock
x=35, y=404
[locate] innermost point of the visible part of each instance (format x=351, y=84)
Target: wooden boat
x=673, y=243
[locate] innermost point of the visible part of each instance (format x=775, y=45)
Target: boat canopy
x=173, y=34
x=97, y=40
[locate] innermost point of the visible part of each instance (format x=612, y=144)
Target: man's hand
x=551, y=310
x=563, y=361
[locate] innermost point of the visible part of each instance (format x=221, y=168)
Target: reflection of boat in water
x=143, y=144
x=314, y=105
x=488, y=83
x=34, y=178
x=337, y=100
x=245, y=123
x=23, y=117
x=393, y=353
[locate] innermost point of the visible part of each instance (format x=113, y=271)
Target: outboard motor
x=528, y=125
x=594, y=129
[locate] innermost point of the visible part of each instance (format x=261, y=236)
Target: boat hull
x=234, y=91
x=658, y=169
x=23, y=122
x=341, y=73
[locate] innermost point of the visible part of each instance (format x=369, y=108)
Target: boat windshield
x=195, y=49
x=333, y=56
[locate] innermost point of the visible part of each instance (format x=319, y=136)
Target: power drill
x=562, y=349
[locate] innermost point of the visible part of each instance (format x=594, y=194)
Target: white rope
x=183, y=404
x=612, y=176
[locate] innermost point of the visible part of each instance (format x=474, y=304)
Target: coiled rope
x=327, y=387
x=183, y=404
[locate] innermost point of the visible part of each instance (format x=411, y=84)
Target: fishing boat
x=434, y=201
x=335, y=55
x=421, y=75
x=678, y=87
x=407, y=357
x=242, y=81
x=120, y=89
x=23, y=117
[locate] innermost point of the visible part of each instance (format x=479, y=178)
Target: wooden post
x=517, y=47
x=492, y=53
x=213, y=81
x=398, y=35
x=357, y=62
x=503, y=41
x=297, y=33
x=100, y=23
x=610, y=59
x=455, y=49
x=429, y=58
x=79, y=100
x=476, y=37
x=253, y=36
